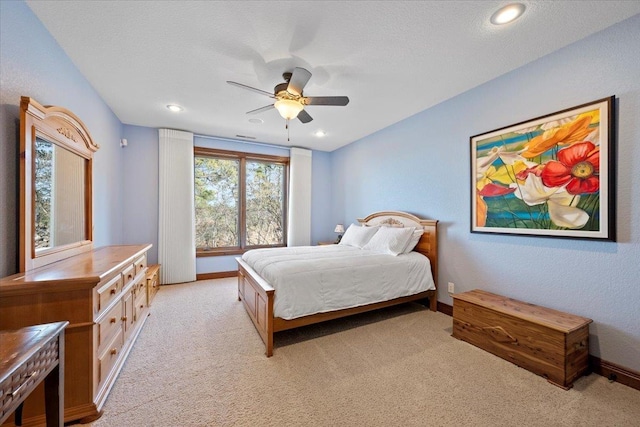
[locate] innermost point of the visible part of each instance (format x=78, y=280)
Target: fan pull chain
x=287, y=128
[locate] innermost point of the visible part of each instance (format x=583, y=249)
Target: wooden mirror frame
x=64, y=129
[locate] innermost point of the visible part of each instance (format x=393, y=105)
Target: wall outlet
x=451, y=288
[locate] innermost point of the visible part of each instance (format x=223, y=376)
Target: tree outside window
x=240, y=201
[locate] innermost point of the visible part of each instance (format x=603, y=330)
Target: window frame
x=243, y=157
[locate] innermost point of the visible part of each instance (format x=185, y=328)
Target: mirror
x=55, y=180
x=58, y=196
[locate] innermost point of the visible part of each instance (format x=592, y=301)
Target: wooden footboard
x=257, y=296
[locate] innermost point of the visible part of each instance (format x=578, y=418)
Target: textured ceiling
x=392, y=59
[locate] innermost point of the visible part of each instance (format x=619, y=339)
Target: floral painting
x=550, y=176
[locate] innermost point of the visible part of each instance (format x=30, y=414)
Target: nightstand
x=326, y=243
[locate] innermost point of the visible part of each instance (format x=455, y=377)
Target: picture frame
x=551, y=176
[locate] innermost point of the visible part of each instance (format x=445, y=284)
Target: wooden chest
x=544, y=341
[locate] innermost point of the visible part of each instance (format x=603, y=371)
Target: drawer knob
x=113, y=320
x=113, y=291
x=114, y=351
x=124, y=318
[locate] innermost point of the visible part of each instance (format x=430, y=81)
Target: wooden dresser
x=544, y=341
x=103, y=295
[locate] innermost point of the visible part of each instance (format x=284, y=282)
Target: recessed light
x=320, y=133
x=256, y=121
x=174, y=108
x=507, y=14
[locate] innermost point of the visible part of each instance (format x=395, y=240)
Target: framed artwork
x=550, y=176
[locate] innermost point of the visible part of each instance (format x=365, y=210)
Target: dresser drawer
x=109, y=292
x=140, y=286
x=109, y=324
x=140, y=306
x=109, y=357
x=141, y=264
x=128, y=274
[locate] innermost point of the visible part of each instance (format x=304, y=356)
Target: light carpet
x=199, y=362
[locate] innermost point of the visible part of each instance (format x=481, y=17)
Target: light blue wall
x=140, y=188
x=421, y=165
x=33, y=64
x=322, y=219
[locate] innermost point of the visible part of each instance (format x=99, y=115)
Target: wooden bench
x=544, y=341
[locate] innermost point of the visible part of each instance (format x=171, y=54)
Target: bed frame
x=257, y=295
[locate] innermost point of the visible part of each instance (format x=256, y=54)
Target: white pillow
x=358, y=236
x=390, y=240
x=413, y=241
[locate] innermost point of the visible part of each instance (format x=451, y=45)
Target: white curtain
x=299, y=221
x=176, y=216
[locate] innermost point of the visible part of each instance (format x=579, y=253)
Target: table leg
x=53, y=408
x=54, y=390
x=17, y=415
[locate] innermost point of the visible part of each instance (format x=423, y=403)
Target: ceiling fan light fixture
x=288, y=108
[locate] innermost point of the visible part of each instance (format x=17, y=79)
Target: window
x=240, y=201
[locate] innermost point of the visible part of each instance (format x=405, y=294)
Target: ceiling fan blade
x=298, y=81
x=304, y=117
x=261, y=109
x=253, y=89
x=326, y=100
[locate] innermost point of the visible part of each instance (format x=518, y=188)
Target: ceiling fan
x=289, y=99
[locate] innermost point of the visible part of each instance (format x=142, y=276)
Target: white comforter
x=316, y=279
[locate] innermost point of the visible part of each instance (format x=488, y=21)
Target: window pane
x=265, y=203
x=217, y=203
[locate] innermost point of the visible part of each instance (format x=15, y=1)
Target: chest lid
x=554, y=319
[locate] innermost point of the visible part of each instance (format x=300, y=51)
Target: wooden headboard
x=428, y=243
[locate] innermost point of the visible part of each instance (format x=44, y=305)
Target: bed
x=268, y=312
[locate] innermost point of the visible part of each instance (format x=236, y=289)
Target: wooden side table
x=29, y=356
x=326, y=243
x=153, y=282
